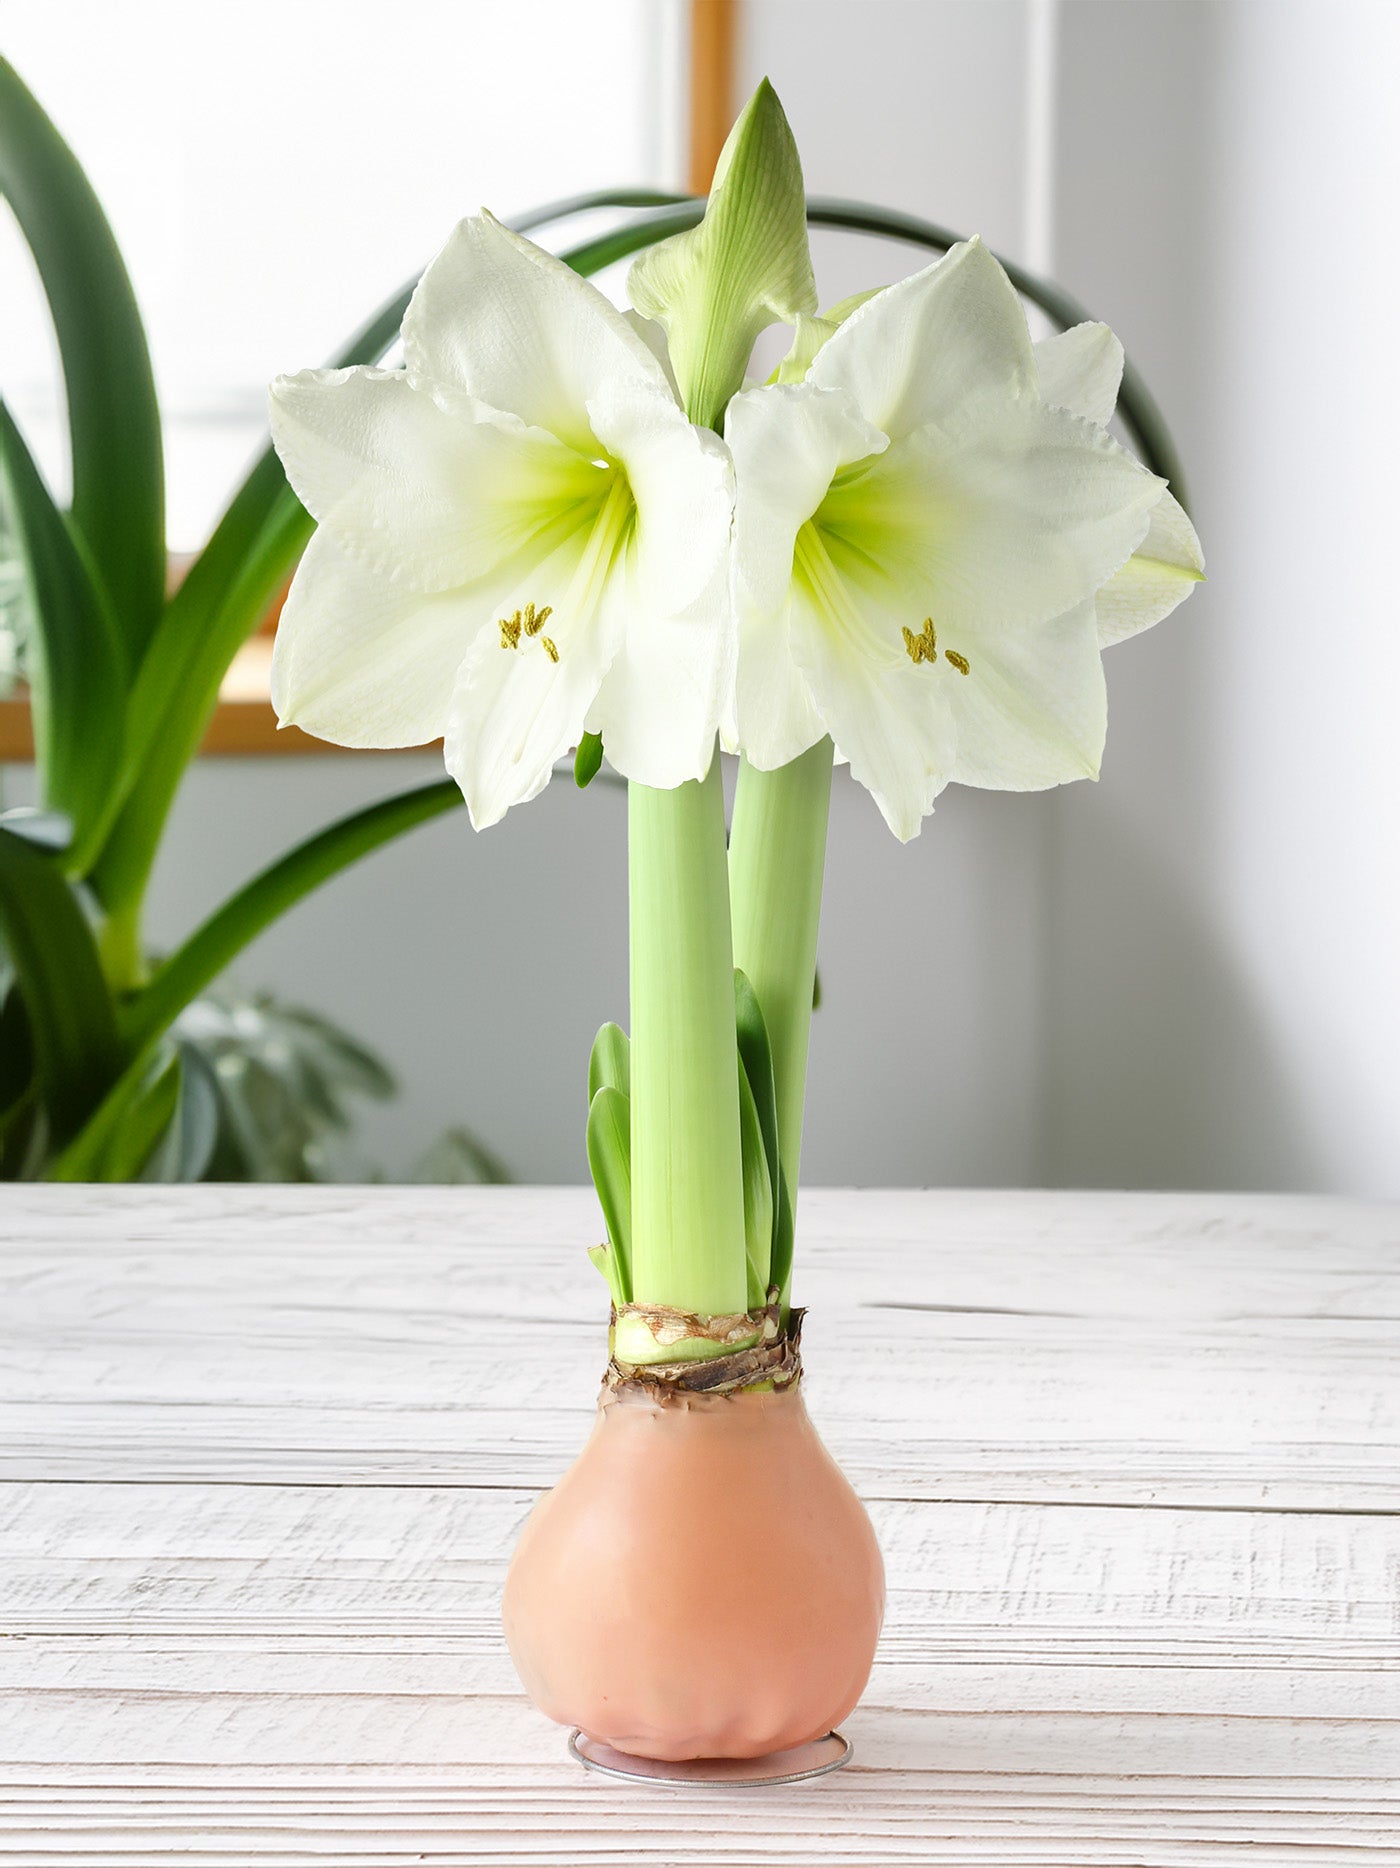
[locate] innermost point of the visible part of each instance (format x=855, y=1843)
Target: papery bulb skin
x=702, y=1583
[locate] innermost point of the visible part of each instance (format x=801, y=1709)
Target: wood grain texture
x=1134, y=1462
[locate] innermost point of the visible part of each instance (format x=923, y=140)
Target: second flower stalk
x=713, y=1154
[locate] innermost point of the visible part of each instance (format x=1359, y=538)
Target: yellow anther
x=549, y=648
x=535, y=620
x=924, y=646
x=510, y=632
x=960, y=662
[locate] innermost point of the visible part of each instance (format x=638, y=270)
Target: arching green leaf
x=77, y=697
x=72, y=1030
x=113, y=420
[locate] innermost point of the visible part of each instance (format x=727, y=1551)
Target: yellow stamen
x=549, y=648
x=510, y=632
x=535, y=620
x=960, y=662
x=924, y=646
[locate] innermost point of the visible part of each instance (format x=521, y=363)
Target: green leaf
x=780, y=1267
x=81, y=1160
x=610, y=1062
x=144, y=1121
x=756, y=1060
x=588, y=759
x=610, y=1162
x=268, y=896
x=76, y=681
x=605, y=1258
x=19, y=1086
x=113, y=420
x=51, y=831
x=51, y=947
x=758, y=1196
x=16, y=1052
x=187, y=1148
x=744, y=267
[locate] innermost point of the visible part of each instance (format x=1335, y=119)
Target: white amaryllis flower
x=520, y=536
x=922, y=525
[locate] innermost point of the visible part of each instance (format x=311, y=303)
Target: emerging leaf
x=610, y=1161
x=611, y=1062
x=758, y=1196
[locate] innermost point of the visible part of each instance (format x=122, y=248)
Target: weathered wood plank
x=980, y=1370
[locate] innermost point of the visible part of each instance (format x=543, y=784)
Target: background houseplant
x=115, y=1063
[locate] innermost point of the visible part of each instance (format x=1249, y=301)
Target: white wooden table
x=1134, y=1460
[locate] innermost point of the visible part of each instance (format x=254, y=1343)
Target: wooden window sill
x=243, y=721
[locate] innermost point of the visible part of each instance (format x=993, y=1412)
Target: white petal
x=1015, y=516
x=788, y=442
x=1165, y=568
x=775, y=720
x=1080, y=370
x=653, y=335
x=889, y=716
x=502, y=319
x=659, y=707
x=432, y=489
x=683, y=487
x=515, y=711
x=363, y=661
x=1032, y=709
x=919, y=349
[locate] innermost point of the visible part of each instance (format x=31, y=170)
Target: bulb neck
x=718, y=1357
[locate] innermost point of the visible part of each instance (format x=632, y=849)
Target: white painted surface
x=1132, y=1460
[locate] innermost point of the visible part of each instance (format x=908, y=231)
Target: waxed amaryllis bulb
x=702, y=1583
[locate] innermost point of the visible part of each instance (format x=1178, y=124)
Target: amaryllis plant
x=564, y=527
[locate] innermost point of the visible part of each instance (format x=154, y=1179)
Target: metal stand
x=779, y=1767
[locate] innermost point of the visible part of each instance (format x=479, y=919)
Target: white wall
x=1226, y=959
x=1186, y=974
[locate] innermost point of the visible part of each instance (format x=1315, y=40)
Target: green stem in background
x=120, y=945
x=777, y=854
x=688, y=1247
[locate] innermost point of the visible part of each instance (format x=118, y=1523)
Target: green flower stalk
x=694, y=1207
x=688, y=1242
x=777, y=857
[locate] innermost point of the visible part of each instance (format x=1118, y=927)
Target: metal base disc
x=779, y=1767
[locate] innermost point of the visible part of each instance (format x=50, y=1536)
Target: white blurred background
x=1187, y=975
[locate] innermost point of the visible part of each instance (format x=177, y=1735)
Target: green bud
x=745, y=266
x=588, y=759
